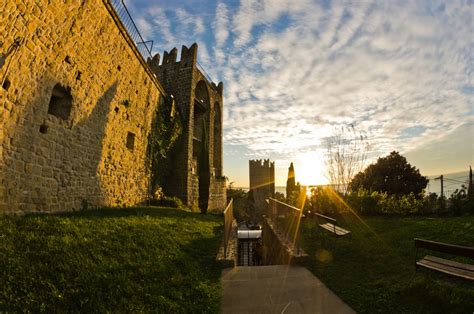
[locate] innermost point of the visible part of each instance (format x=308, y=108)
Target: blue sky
x=400, y=71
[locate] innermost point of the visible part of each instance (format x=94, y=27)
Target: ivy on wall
x=166, y=129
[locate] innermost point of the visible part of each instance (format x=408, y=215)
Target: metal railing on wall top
x=287, y=220
x=131, y=27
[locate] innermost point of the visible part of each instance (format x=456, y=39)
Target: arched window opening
x=60, y=103
x=201, y=141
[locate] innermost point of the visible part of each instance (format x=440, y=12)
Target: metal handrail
x=228, y=219
x=287, y=220
x=206, y=75
x=140, y=43
x=131, y=27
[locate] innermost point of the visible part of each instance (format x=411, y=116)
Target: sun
x=310, y=168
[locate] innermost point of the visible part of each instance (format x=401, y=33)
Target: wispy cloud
x=399, y=70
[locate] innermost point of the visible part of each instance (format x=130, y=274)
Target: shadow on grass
x=152, y=211
x=85, y=262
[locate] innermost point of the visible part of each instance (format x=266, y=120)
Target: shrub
x=167, y=201
x=373, y=203
x=459, y=202
x=323, y=201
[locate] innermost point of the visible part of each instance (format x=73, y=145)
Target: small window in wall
x=6, y=84
x=130, y=140
x=43, y=129
x=60, y=103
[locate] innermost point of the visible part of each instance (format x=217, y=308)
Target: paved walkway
x=277, y=289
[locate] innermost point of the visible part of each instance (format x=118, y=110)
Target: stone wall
x=55, y=157
x=277, y=250
x=202, y=183
x=217, y=196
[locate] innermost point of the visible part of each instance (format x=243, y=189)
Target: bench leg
x=416, y=258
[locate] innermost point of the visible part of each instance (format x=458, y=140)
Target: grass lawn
x=373, y=271
x=120, y=260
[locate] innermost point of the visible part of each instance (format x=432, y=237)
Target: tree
x=391, y=174
x=346, y=155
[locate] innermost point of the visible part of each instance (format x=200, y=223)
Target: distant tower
x=290, y=182
x=197, y=177
x=262, y=181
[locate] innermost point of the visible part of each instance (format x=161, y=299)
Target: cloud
x=400, y=71
x=189, y=22
x=220, y=25
x=388, y=72
x=162, y=24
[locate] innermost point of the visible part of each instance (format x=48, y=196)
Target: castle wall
x=96, y=156
x=177, y=81
x=181, y=78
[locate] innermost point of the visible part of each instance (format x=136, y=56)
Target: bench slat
x=465, y=251
x=455, y=264
x=446, y=269
x=330, y=227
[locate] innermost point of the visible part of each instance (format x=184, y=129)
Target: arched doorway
x=201, y=142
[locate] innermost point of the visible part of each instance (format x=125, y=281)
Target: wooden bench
x=332, y=227
x=446, y=266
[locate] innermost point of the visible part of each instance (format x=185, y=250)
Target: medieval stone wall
x=277, y=250
x=92, y=153
x=177, y=79
x=183, y=79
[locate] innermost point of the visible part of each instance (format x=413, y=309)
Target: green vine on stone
x=166, y=128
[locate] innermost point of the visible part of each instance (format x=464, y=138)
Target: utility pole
x=441, y=178
x=470, y=192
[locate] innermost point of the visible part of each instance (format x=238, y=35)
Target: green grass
x=373, y=271
x=121, y=260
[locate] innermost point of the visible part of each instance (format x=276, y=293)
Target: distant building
x=262, y=181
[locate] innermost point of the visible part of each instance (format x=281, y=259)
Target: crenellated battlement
x=266, y=163
x=188, y=59
x=261, y=180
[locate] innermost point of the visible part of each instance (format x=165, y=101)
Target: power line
x=456, y=181
x=466, y=176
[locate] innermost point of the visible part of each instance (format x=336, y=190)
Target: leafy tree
x=391, y=174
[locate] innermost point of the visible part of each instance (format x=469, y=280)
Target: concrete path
x=277, y=289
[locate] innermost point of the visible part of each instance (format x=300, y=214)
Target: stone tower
x=262, y=180
x=197, y=159
x=290, y=182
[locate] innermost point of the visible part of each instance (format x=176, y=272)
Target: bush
x=374, y=203
x=167, y=201
x=459, y=202
x=242, y=204
x=324, y=200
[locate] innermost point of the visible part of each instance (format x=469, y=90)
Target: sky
x=293, y=71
